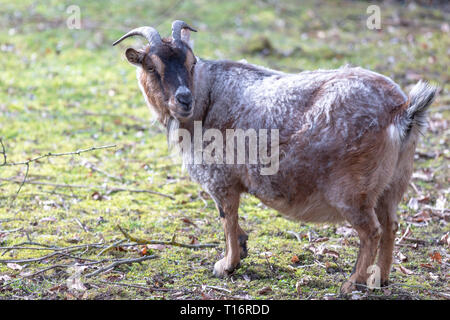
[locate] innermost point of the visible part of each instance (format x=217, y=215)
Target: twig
x=169, y=243
x=29, y=161
x=108, y=191
x=137, y=286
x=415, y=188
x=82, y=226
x=3, y=153
x=30, y=260
x=118, y=263
x=50, y=154
x=119, y=189
x=404, y=234
x=295, y=234
x=115, y=244
x=11, y=230
x=218, y=289
x=414, y=240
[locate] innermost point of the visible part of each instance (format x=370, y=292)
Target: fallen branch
x=50, y=154
x=118, y=263
x=168, y=243
x=47, y=155
x=404, y=234
x=137, y=286
x=108, y=191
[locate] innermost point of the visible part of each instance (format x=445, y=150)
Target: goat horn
x=148, y=33
x=177, y=25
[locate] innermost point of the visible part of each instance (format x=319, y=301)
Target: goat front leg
x=234, y=237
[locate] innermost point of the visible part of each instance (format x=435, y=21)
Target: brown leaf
x=424, y=199
x=143, y=251
x=404, y=270
x=427, y=265
x=422, y=216
x=320, y=239
x=194, y=240
x=265, y=290
x=436, y=257
x=188, y=221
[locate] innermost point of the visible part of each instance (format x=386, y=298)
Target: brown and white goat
x=346, y=140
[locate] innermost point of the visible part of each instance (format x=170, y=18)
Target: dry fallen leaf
x=445, y=239
x=422, y=216
x=320, y=239
x=266, y=254
x=4, y=278
x=265, y=290
x=189, y=222
x=14, y=266
x=402, y=257
x=436, y=257
x=404, y=270
x=413, y=204
x=298, y=287
x=143, y=251
x=427, y=265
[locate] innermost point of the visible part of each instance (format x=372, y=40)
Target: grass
x=65, y=89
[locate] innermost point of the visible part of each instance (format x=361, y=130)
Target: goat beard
x=173, y=139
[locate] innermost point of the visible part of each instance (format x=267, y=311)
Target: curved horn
x=177, y=25
x=148, y=33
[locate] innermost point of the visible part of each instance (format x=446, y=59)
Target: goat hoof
x=350, y=285
x=222, y=268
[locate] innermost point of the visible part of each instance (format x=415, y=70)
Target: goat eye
x=151, y=69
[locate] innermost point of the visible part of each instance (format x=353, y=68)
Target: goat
x=346, y=140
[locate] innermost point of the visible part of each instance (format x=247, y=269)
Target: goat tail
x=414, y=119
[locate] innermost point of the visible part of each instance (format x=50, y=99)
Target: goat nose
x=184, y=97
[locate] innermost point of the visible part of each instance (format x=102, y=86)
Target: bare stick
x=27, y=162
x=404, y=235
x=50, y=154
x=108, y=191
x=118, y=263
x=3, y=153
x=168, y=243
x=137, y=286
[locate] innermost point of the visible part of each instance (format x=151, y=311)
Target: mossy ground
x=63, y=90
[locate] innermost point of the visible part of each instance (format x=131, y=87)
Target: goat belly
x=313, y=209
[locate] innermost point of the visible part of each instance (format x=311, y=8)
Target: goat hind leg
x=386, y=212
x=366, y=224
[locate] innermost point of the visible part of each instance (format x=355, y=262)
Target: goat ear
x=134, y=56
